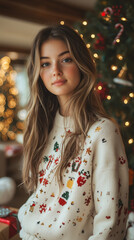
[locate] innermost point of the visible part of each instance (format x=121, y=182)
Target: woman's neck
x=63, y=107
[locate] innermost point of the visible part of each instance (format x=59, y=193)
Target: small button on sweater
x=92, y=204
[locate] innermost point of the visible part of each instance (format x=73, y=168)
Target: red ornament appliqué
x=122, y=160
x=43, y=208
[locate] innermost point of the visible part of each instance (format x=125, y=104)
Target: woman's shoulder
x=104, y=125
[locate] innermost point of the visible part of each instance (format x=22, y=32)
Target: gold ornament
x=122, y=77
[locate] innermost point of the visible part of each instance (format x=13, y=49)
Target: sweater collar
x=63, y=122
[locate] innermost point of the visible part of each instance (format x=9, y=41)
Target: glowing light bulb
x=84, y=23
x=127, y=123
x=120, y=57
x=117, y=40
x=76, y=30
x=81, y=35
x=99, y=88
x=114, y=68
x=92, y=35
x=131, y=140
x=123, y=19
x=131, y=95
x=96, y=55
x=109, y=97
x=125, y=101
x=62, y=22
x=88, y=45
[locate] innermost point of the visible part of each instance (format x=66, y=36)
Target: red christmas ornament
x=103, y=14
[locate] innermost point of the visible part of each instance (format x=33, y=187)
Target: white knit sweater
x=92, y=205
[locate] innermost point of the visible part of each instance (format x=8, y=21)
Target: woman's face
x=58, y=70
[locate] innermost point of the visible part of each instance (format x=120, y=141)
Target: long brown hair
x=84, y=105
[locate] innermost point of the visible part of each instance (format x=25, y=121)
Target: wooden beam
x=42, y=11
x=5, y=48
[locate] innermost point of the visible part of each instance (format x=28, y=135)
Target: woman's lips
x=59, y=82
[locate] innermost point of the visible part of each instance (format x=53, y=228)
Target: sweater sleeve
x=110, y=184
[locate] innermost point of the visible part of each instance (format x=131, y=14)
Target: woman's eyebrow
x=62, y=53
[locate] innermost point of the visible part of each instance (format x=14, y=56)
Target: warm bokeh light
x=2, y=73
x=2, y=99
x=9, y=120
x=62, y=22
x=5, y=59
x=125, y=101
x=117, y=40
x=84, y=23
x=13, y=91
x=2, y=109
x=108, y=97
x=88, y=45
x=131, y=140
x=114, y=68
x=1, y=81
x=96, y=55
x=127, y=123
x=92, y=35
x=5, y=130
x=123, y=19
x=11, y=135
x=12, y=103
x=8, y=113
x=120, y=57
x=131, y=95
x=20, y=125
x=1, y=126
x=99, y=88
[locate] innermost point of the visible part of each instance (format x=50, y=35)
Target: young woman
x=74, y=159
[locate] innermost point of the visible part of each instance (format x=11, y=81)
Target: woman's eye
x=46, y=64
x=67, y=60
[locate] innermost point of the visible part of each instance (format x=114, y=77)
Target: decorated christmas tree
x=109, y=32
x=10, y=124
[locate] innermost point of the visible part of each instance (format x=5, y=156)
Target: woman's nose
x=57, y=70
